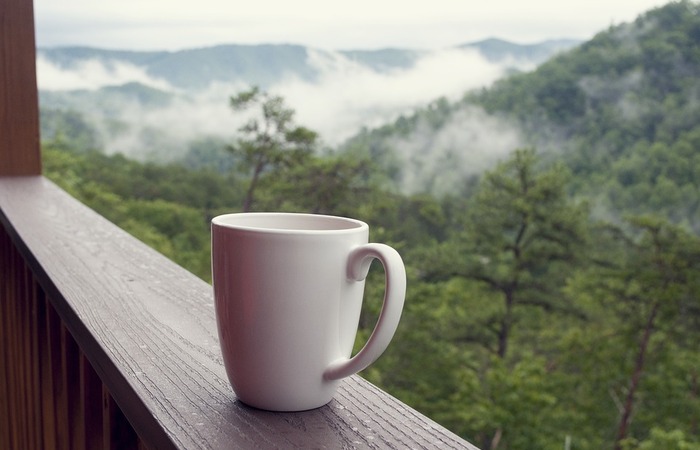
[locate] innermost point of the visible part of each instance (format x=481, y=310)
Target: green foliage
x=674, y=439
x=520, y=235
x=167, y=207
x=68, y=128
x=334, y=184
x=652, y=290
x=270, y=142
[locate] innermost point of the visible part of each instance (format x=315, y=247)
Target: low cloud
x=92, y=74
x=345, y=97
x=439, y=161
x=348, y=96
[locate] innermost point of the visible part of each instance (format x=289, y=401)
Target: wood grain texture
x=19, y=101
x=148, y=329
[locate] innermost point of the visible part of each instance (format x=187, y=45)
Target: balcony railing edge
x=137, y=412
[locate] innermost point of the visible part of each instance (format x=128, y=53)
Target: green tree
x=652, y=290
x=674, y=439
x=521, y=236
x=269, y=141
x=323, y=185
x=522, y=232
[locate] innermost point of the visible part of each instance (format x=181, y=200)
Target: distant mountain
x=154, y=105
x=195, y=68
x=621, y=110
x=267, y=64
x=108, y=98
x=499, y=50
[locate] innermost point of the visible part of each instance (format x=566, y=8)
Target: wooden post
x=19, y=100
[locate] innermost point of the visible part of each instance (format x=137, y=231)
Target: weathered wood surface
x=147, y=327
x=19, y=100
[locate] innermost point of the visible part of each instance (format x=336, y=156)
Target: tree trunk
x=496, y=439
x=248, y=202
x=628, y=407
x=694, y=389
x=506, y=324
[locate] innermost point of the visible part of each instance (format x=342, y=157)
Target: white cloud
x=438, y=161
x=92, y=74
x=345, y=97
x=348, y=96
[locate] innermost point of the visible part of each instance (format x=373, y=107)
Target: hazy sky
x=326, y=24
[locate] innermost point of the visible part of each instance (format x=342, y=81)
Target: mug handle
x=359, y=262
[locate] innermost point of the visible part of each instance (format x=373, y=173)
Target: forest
x=553, y=299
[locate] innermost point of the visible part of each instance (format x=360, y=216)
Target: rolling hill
x=622, y=110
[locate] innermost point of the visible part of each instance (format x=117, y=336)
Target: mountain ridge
x=621, y=111
x=265, y=64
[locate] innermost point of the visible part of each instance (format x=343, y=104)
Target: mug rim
x=303, y=223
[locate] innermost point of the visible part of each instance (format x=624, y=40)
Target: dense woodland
x=553, y=301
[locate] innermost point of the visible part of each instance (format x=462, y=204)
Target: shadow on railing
x=104, y=343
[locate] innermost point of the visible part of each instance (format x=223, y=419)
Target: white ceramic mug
x=288, y=291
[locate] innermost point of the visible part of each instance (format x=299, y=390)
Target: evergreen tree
x=270, y=141
x=521, y=235
x=649, y=284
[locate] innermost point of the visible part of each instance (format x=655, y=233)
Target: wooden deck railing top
x=147, y=326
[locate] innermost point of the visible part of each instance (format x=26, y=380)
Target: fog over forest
x=345, y=96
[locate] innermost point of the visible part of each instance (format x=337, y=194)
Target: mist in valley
x=159, y=121
x=441, y=161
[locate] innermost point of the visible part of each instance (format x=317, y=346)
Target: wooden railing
x=104, y=343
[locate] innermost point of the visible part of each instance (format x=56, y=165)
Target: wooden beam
x=19, y=100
